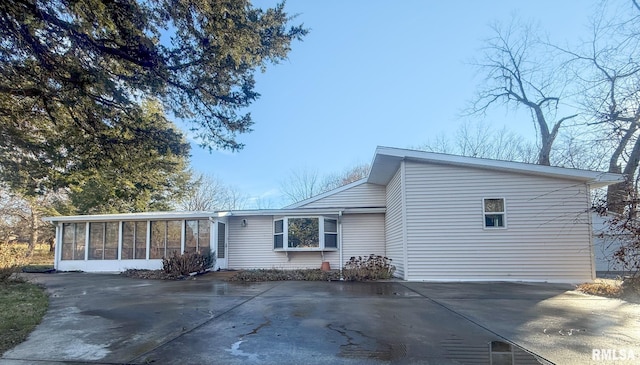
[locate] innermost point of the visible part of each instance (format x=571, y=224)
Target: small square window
x=494, y=213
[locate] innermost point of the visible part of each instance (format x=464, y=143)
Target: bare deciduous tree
x=208, y=193
x=21, y=218
x=480, y=140
x=353, y=174
x=305, y=183
x=608, y=69
x=301, y=184
x=516, y=76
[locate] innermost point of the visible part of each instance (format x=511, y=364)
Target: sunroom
x=116, y=242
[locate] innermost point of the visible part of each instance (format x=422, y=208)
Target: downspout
x=57, y=251
x=340, y=241
x=592, y=253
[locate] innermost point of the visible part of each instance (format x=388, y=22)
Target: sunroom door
x=220, y=243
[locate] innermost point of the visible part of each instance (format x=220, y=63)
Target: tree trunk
x=546, y=138
x=618, y=194
x=33, y=234
x=544, y=158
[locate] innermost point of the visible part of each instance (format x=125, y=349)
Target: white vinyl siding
x=364, y=195
x=547, y=238
x=393, y=224
x=362, y=235
x=251, y=247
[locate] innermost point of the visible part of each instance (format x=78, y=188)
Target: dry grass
x=609, y=288
x=41, y=256
x=627, y=289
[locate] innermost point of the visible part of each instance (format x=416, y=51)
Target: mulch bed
x=152, y=274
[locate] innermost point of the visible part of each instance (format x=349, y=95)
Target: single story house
x=439, y=217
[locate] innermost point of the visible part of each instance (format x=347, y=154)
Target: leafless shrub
x=285, y=275
x=187, y=263
x=373, y=267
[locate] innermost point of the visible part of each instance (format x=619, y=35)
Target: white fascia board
x=133, y=216
x=387, y=159
x=204, y=215
x=307, y=211
x=326, y=194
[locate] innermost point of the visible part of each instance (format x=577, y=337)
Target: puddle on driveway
x=381, y=289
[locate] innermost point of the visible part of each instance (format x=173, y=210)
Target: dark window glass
x=277, y=241
x=330, y=240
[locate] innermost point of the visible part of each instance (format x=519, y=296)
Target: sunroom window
x=103, y=240
x=494, y=213
x=305, y=233
x=165, y=238
x=73, y=241
x=134, y=240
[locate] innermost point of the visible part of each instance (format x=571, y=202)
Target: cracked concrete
x=108, y=319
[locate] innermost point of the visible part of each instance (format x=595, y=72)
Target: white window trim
x=284, y=234
x=321, y=233
x=485, y=213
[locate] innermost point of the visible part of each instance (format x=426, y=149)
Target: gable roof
x=326, y=194
x=386, y=162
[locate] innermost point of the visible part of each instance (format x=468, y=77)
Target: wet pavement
x=108, y=319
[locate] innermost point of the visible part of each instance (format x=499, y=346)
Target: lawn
x=22, y=306
x=41, y=257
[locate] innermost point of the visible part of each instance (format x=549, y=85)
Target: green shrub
x=373, y=267
x=187, y=263
x=12, y=258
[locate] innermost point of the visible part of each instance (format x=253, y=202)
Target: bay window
x=305, y=233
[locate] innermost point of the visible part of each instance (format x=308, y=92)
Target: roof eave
x=387, y=160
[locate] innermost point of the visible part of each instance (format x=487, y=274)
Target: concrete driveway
x=108, y=319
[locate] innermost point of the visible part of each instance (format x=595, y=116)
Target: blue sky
x=391, y=73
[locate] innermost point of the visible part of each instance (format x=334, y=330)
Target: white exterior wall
x=394, y=227
x=365, y=195
x=251, y=247
x=107, y=265
x=547, y=236
x=362, y=235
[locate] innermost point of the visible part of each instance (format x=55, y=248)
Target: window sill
x=309, y=249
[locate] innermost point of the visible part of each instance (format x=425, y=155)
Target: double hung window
x=494, y=213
